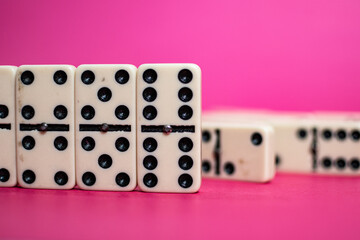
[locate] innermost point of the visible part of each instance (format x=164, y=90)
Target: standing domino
x=106, y=127
x=169, y=127
x=7, y=127
x=45, y=126
x=238, y=151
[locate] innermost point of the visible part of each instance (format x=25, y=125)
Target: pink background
x=285, y=55
x=278, y=54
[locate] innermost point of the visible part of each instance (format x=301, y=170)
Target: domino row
x=321, y=143
x=113, y=127
x=102, y=127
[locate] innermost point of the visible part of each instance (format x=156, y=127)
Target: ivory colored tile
x=7, y=127
x=106, y=127
x=169, y=127
x=238, y=151
x=45, y=126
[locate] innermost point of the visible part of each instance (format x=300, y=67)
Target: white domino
x=294, y=144
x=315, y=144
x=238, y=151
x=106, y=127
x=322, y=143
x=337, y=147
x=169, y=127
x=45, y=126
x=7, y=127
x=293, y=140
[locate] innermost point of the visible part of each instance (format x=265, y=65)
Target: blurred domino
x=169, y=127
x=319, y=145
x=238, y=151
x=294, y=144
x=7, y=127
x=106, y=127
x=45, y=126
x=337, y=147
x=323, y=143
